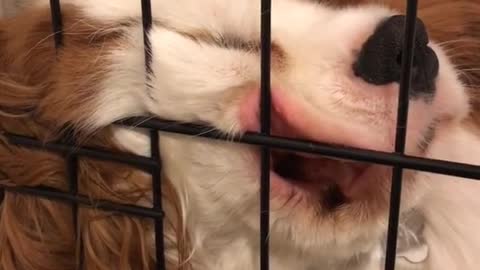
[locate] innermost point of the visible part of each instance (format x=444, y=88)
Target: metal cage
x=398, y=160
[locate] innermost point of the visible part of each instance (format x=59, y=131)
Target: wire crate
x=152, y=165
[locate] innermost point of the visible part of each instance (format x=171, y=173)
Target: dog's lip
x=291, y=118
x=298, y=119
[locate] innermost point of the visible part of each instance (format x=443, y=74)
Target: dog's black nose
x=380, y=59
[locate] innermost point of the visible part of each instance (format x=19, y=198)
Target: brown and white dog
x=335, y=70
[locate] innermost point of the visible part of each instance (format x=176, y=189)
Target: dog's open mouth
x=332, y=182
x=328, y=179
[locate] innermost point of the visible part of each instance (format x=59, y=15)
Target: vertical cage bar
x=147, y=26
x=71, y=159
x=265, y=107
x=147, y=21
x=401, y=132
x=72, y=176
x=57, y=24
x=157, y=200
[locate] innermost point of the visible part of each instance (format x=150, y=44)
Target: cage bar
x=71, y=158
x=398, y=160
x=377, y=157
x=401, y=132
x=72, y=176
x=157, y=199
x=383, y=158
x=138, y=162
x=57, y=24
x=62, y=196
x=147, y=20
x=265, y=107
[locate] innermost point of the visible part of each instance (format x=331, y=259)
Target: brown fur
x=38, y=90
x=456, y=26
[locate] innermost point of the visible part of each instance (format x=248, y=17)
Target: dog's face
x=335, y=79
x=335, y=75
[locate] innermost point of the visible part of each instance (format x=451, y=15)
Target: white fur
x=451, y=206
x=218, y=182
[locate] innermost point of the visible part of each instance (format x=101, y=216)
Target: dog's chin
x=340, y=234
x=307, y=236
x=335, y=207
x=322, y=218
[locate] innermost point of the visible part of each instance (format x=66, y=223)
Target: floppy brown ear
x=456, y=26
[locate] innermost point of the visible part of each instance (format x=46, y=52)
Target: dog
x=335, y=74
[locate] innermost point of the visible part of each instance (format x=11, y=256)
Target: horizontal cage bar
x=377, y=157
x=383, y=158
x=53, y=194
x=140, y=162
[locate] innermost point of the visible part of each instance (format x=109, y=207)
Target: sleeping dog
x=335, y=79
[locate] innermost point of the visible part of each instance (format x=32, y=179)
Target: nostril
x=380, y=59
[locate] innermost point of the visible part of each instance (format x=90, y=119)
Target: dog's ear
x=17, y=98
x=455, y=25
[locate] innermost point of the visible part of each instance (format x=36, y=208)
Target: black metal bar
x=157, y=199
x=52, y=194
x=57, y=23
x=72, y=176
x=147, y=20
x=383, y=158
x=71, y=160
x=139, y=162
x=398, y=160
x=401, y=132
x=147, y=25
x=377, y=157
x=265, y=108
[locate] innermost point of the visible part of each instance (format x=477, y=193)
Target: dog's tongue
x=328, y=171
